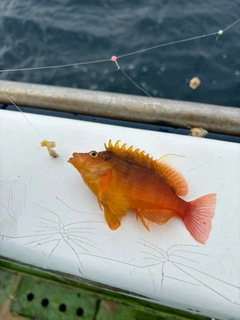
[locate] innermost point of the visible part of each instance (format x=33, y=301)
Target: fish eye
x=93, y=154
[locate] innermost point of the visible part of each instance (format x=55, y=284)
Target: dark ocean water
x=52, y=32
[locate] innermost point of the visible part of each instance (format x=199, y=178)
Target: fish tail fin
x=198, y=218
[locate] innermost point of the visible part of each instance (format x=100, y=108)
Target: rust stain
x=5, y=307
x=110, y=306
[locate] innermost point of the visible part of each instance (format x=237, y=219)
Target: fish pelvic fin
x=113, y=221
x=198, y=218
x=113, y=215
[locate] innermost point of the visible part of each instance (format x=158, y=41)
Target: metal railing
x=175, y=113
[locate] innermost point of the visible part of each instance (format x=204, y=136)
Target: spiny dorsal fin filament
x=123, y=151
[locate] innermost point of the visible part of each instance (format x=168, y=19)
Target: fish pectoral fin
x=157, y=216
x=173, y=178
x=113, y=215
x=105, y=179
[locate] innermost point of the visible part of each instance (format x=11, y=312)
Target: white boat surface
x=51, y=220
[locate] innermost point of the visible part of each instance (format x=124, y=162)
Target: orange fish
x=123, y=179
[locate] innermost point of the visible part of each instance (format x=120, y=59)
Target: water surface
x=42, y=33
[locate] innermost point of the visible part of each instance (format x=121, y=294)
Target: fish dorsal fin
x=129, y=153
x=173, y=177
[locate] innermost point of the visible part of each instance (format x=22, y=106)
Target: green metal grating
x=37, y=299
x=40, y=300
x=42, y=295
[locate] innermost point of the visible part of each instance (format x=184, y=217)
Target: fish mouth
x=76, y=157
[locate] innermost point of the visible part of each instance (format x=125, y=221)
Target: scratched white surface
x=50, y=219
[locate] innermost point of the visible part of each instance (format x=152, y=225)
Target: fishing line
x=195, y=81
x=136, y=85
x=55, y=66
x=208, y=59
x=220, y=32
x=165, y=45
x=123, y=55
x=114, y=59
x=22, y=113
x=50, y=150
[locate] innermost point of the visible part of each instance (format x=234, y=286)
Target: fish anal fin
x=158, y=216
x=173, y=178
